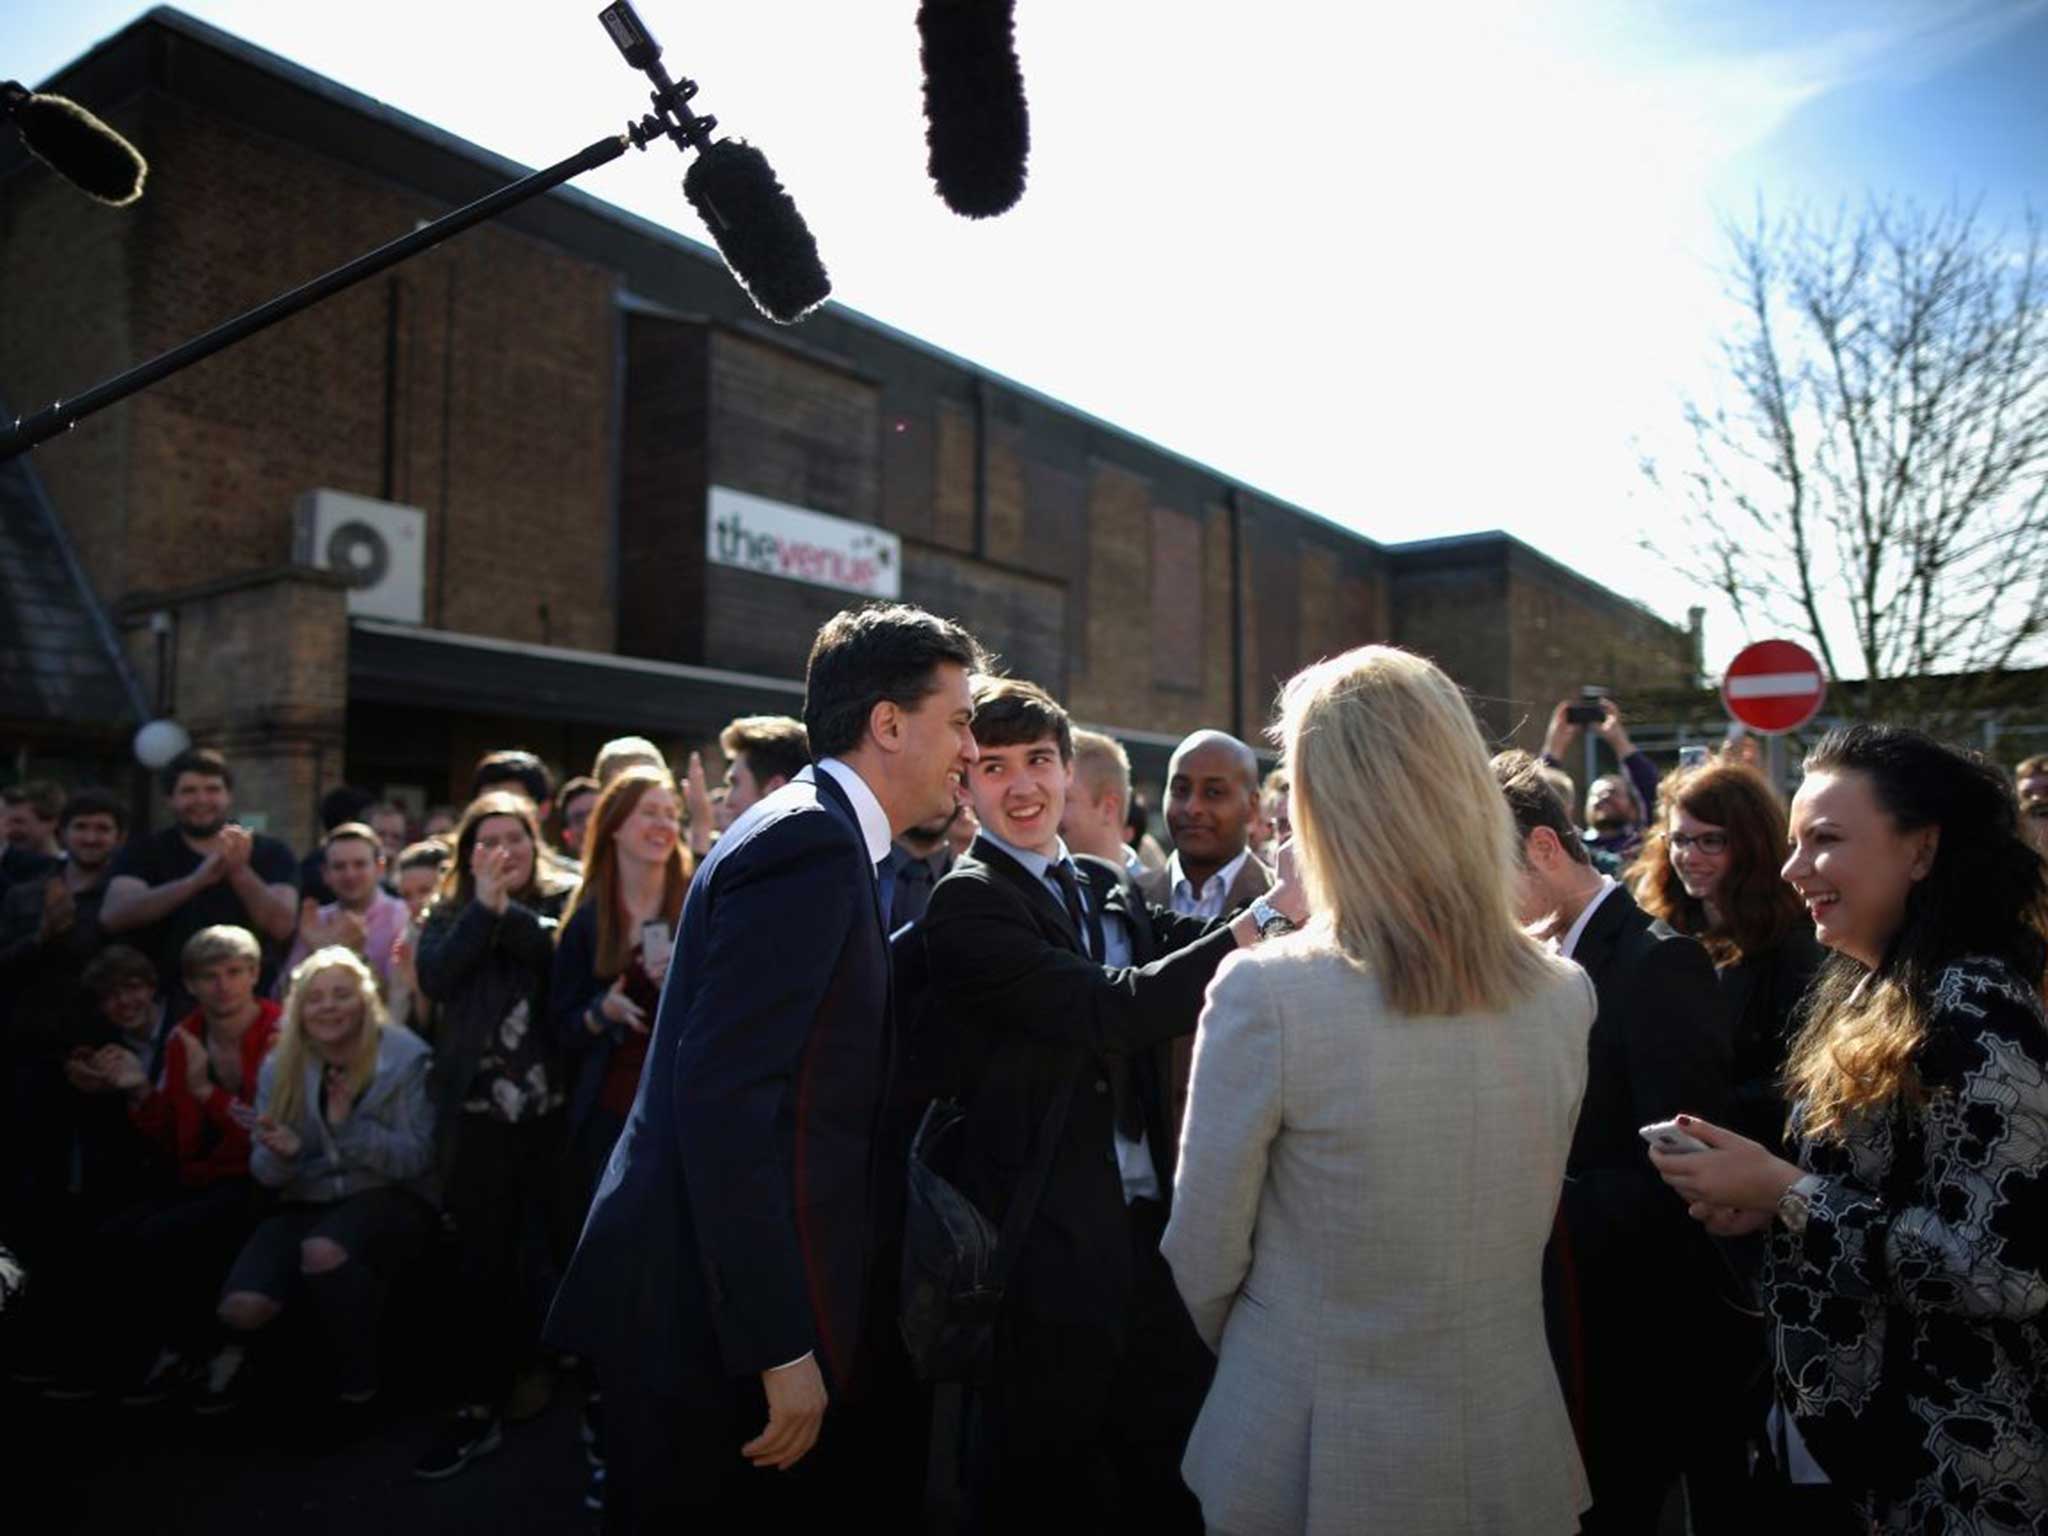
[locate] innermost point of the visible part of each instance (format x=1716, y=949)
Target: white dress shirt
x=1208, y=902
x=1578, y=927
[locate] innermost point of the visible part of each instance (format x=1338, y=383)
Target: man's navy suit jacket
x=732, y=1230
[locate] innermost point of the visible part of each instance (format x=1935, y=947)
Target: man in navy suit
x=721, y=1284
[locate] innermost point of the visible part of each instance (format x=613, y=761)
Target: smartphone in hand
x=655, y=943
x=1665, y=1136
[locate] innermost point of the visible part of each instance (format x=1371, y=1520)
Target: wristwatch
x=1795, y=1204
x=1269, y=919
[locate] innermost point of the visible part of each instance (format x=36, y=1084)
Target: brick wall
x=503, y=347
x=262, y=676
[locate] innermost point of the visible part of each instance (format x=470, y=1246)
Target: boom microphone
x=758, y=230
x=75, y=144
x=976, y=123
x=762, y=237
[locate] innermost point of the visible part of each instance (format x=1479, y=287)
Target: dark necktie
x=1087, y=920
x=885, y=888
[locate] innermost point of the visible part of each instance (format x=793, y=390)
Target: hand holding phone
x=1665, y=1136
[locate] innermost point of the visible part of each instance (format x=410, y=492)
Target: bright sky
x=1424, y=270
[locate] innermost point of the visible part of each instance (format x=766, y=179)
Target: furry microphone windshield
x=977, y=126
x=75, y=144
x=762, y=237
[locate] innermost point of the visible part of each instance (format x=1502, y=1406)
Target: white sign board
x=752, y=533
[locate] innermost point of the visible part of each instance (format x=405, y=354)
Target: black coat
x=1763, y=993
x=733, y=1230
x=1659, y=1047
x=1028, y=1011
x=476, y=965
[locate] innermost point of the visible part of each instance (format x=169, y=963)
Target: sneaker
x=220, y=1389
x=158, y=1383
x=532, y=1391
x=593, y=1490
x=461, y=1438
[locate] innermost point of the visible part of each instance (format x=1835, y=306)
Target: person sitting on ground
x=199, y=1115
x=345, y=1137
x=117, y=1165
x=203, y=871
x=363, y=916
x=484, y=957
x=107, y=1166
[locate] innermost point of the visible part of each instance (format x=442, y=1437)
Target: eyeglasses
x=1704, y=842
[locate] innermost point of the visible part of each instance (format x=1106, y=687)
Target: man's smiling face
x=1018, y=793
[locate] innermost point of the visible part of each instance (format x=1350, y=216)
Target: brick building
x=565, y=396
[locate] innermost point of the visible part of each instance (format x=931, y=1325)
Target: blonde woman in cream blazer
x=1374, y=1145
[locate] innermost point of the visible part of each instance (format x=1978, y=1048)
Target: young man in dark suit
x=1047, y=975
x=1633, y=1283
x=721, y=1285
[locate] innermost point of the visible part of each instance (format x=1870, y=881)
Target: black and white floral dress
x=1911, y=1316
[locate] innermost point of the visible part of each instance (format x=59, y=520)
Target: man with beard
x=203, y=871
x=1616, y=803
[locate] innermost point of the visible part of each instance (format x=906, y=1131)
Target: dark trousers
x=504, y=1181
x=1075, y=1431
x=381, y=1230
x=158, y=1270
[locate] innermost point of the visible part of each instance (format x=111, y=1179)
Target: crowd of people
x=1313, y=1151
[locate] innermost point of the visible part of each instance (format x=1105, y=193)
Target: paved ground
x=281, y=1468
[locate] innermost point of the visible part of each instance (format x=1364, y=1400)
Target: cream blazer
x=1358, y=1228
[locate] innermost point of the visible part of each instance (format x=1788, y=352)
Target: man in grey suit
x=1212, y=797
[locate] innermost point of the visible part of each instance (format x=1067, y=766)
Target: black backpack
x=956, y=1262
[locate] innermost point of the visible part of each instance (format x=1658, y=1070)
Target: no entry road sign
x=1773, y=686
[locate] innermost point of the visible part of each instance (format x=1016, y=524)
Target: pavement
x=282, y=1466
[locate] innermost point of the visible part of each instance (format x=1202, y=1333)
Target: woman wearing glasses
x=1710, y=869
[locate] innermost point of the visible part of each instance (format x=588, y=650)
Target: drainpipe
x=1234, y=510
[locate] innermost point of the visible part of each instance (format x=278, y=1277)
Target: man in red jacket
x=199, y=1112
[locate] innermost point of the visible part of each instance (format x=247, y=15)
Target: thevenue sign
x=752, y=533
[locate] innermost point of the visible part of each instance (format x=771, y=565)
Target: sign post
x=1770, y=688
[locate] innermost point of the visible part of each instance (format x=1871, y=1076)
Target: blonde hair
x=1406, y=847
x=223, y=941
x=1101, y=763
x=290, y=1050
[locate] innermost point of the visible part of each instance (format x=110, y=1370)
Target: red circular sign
x=1773, y=686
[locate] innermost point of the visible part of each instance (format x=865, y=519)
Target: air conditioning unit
x=379, y=546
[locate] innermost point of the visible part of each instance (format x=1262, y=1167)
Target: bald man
x=1212, y=793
